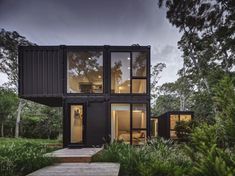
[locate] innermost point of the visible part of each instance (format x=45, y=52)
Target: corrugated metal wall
x=41, y=71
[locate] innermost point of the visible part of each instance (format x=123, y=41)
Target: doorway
x=76, y=116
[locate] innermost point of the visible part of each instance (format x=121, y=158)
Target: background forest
x=205, y=85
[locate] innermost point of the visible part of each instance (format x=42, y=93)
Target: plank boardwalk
x=79, y=169
x=83, y=155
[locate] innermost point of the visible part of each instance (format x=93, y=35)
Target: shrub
x=20, y=158
x=207, y=158
x=157, y=157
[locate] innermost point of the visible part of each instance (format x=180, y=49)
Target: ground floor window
x=129, y=123
x=176, y=118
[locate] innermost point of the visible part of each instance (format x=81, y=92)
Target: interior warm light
x=137, y=111
x=99, y=76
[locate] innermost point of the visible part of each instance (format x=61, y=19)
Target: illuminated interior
x=121, y=79
x=154, y=127
x=76, y=123
x=85, y=72
x=177, y=118
x=120, y=123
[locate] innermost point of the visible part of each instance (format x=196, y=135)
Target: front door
x=76, y=124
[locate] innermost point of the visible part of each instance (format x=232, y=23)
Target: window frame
x=179, y=120
x=147, y=77
x=131, y=118
x=83, y=49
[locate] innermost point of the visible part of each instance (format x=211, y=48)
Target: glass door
x=76, y=124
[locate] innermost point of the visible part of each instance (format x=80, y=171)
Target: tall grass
x=20, y=157
x=158, y=157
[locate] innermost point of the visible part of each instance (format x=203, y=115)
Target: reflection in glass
x=139, y=116
x=139, y=63
x=139, y=86
x=120, y=122
x=120, y=72
x=85, y=72
x=76, y=123
x=139, y=137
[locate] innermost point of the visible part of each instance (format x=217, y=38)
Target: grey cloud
x=94, y=22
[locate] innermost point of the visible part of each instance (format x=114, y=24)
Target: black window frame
x=83, y=49
x=131, y=117
x=131, y=74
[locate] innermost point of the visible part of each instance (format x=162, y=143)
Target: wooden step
x=67, y=155
x=79, y=169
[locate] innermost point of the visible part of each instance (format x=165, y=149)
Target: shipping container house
x=104, y=90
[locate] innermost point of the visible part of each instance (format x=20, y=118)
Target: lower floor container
x=95, y=122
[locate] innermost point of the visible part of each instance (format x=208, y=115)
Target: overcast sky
x=96, y=22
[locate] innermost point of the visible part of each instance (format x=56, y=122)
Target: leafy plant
x=22, y=157
x=157, y=157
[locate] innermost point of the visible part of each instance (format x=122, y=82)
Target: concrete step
x=79, y=169
x=67, y=155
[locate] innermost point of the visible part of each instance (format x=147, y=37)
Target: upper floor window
x=128, y=72
x=85, y=72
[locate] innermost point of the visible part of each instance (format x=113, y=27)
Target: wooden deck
x=79, y=169
x=83, y=155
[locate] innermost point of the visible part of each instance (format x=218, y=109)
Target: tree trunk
x=2, y=129
x=17, y=127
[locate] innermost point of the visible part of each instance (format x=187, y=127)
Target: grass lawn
x=21, y=156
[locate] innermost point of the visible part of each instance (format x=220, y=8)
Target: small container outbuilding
x=164, y=125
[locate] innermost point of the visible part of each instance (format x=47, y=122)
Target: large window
x=120, y=72
x=174, y=119
x=85, y=72
x=128, y=72
x=121, y=128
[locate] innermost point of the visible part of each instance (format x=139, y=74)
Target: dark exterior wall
x=164, y=126
x=40, y=71
x=96, y=123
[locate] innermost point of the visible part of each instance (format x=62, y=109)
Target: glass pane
x=76, y=118
x=120, y=122
x=85, y=72
x=139, y=86
x=120, y=72
x=185, y=118
x=139, y=137
x=173, y=120
x=173, y=134
x=139, y=62
x=154, y=127
x=139, y=116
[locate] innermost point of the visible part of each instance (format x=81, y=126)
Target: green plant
x=22, y=157
x=207, y=158
x=157, y=157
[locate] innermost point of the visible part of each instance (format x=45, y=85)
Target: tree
x=9, y=42
x=207, y=43
x=8, y=103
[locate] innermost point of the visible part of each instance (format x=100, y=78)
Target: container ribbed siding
x=41, y=72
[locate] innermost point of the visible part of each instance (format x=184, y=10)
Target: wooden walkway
x=79, y=169
x=83, y=155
